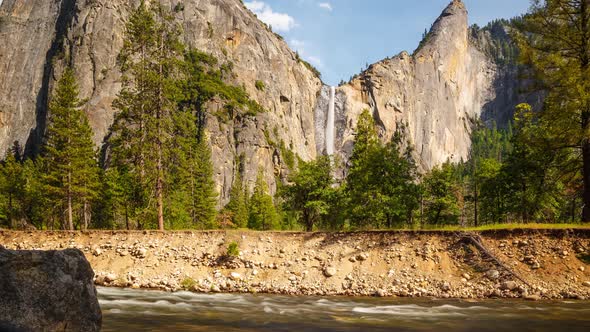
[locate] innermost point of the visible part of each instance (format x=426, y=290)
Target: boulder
x=330, y=271
x=47, y=291
x=509, y=285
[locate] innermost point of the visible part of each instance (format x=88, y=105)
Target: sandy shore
x=531, y=264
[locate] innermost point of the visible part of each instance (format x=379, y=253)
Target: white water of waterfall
x=330, y=123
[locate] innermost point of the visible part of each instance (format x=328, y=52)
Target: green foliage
x=309, y=66
x=262, y=212
x=380, y=186
x=141, y=139
x=442, y=196
x=204, y=80
x=237, y=204
x=188, y=283
x=553, y=39
x=233, y=250
x=11, y=190
x=71, y=173
x=495, y=41
x=260, y=86
x=312, y=193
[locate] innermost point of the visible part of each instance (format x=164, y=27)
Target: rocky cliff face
x=40, y=38
x=436, y=93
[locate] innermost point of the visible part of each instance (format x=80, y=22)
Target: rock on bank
x=47, y=291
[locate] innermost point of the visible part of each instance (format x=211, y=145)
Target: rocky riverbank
x=530, y=264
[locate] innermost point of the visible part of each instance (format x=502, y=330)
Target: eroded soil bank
x=532, y=264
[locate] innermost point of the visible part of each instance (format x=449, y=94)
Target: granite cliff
x=436, y=94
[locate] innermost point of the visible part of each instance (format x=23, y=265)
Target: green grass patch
x=188, y=283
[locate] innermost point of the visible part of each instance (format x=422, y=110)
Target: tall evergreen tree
x=554, y=39
x=262, y=214
x=142, y=134
x=11, y=187
x=238, y=202
x=381, y=184
x=71, y=166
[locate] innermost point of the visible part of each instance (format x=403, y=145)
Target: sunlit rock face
x=435, y=94
x=39, y=38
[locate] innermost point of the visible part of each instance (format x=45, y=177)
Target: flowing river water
x=140, y=310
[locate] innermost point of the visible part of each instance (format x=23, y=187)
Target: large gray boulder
x=47, y=291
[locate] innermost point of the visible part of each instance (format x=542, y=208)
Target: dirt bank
x=552, y=264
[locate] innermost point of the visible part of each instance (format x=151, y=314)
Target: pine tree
x=205, y=195
x=237, y=204
x=11, y=187
x=360, y=194
x=142, y=133
x=263, y=214
x=554, y=39
x=72, y=171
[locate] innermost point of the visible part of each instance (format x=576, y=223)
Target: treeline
x=156, y=169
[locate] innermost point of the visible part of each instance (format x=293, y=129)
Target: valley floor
x=526, y=263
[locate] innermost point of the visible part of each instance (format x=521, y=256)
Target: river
x=140, y=310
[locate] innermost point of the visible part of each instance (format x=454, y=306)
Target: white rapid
x=330, y=123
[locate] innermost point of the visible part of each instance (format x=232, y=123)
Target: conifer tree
x=263, y=214
x=204, y=193
x=237, y=204
x=143, y=129
x=11, y=187
x=71, y=177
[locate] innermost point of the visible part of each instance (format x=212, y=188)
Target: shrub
x=260, y=85
x=188, y=283
x=232, y=250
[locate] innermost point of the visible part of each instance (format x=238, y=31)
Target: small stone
x=254, y=272
x=381, y=293
x=445, y=287
x=536, y=265
x=110, y=277
x=235, y=276
x=97, y=252
x=141, y=252
x=292, y=278
x=493, y=274
x=330, y=271
x=582, y=268
x=532, y=297
x=466, y=276
x=508, y=285
x=215, y=289
x=586, y=283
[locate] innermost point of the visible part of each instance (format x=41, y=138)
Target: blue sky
x=340, y=37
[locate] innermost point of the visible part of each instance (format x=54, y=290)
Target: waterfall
x=330, y=123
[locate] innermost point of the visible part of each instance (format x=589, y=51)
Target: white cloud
x=316, y=61
x=278, y=21
x=325, y=5
x=299, y=46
